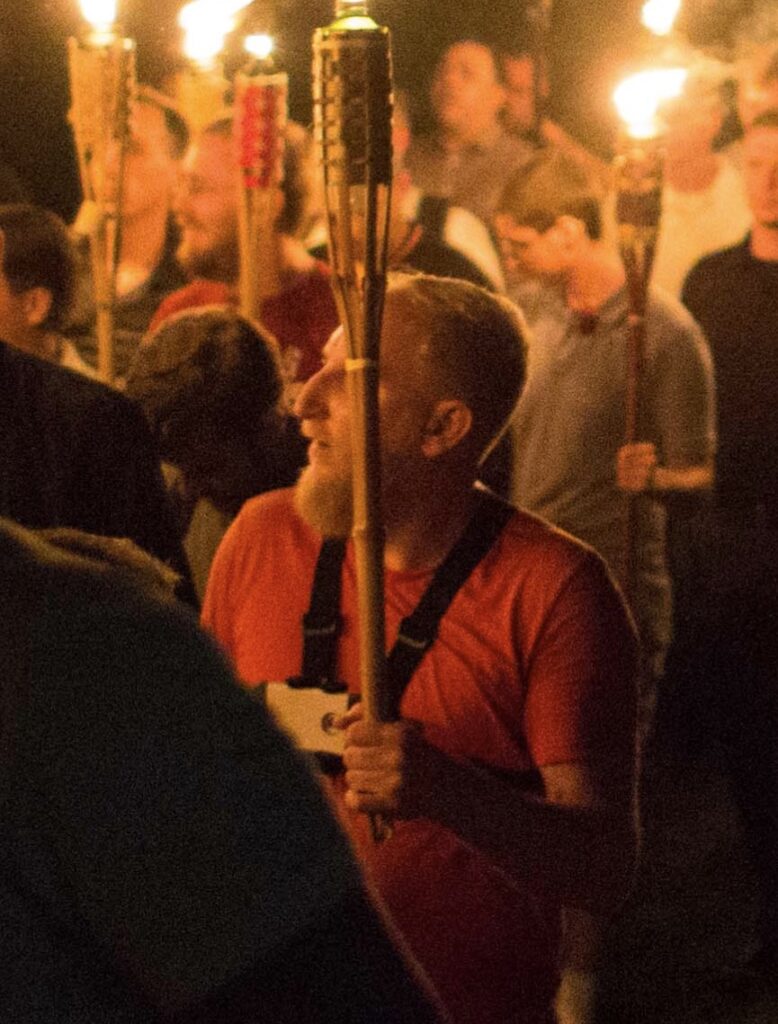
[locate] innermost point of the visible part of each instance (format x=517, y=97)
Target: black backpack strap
x=322, y=621
x=418, y=630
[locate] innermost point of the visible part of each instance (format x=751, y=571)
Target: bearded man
x=510, y=772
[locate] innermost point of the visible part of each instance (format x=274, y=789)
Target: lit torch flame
x=206, y=23
x=101, y=15
x=260, y=46
x=659, y=15
x=639, y=99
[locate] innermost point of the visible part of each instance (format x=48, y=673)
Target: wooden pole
x=352, y=104
x=638, y=211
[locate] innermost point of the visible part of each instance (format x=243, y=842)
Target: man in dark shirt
x=733, y=294
x=75, y=453
x=166, y=855
x=469, y=157
x=147, y=269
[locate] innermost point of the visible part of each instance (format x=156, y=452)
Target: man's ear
x=570, y=229
x=450, y=423
x=36, y=305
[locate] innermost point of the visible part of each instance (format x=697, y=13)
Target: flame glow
x=101, y=14
x=638, y=99
x=206, y=23
x=259, y=46
x=659, y=15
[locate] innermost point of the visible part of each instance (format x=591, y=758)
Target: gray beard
x=327, y=506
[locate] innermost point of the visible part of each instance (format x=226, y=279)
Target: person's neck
x=429, y=524
x=475, y=134
x=596, y=275
x=293, y=259
x=142, y=246
x=691, y=172
x=39, y=342
x=764, y=243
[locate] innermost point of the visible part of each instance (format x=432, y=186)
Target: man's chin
x=325, y=505
x=214, y=265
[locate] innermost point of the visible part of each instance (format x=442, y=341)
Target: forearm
x=638, y=470
x=583, y=855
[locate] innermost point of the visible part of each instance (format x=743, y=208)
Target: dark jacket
x=75, y=453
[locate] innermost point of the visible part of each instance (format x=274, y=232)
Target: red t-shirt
x=301, y=317
x=532, y=666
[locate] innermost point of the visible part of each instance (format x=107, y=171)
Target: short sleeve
x=680, y=393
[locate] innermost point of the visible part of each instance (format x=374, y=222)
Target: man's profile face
x=760, y=174
x=519, y=75
x=15, y=326
x=206, y=209
x=324, y=490
x=692, y=122
x=465, y=93
x=526, y=251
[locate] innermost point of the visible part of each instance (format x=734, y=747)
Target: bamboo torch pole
x=260, y=124
x=638, y=207
x=102, y=86
x=638, y=179
x=352, y=105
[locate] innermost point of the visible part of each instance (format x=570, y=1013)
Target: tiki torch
x=259, y=126
x=101, y=68
x=638, y=169
x=201, y=88
x=353, y=108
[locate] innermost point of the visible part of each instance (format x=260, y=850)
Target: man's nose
x=308, y=403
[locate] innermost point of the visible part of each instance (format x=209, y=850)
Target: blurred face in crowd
x=206, y=209
x=757, y=89
x=150, y=167
x=519, y=77
x=528, y=252
x=692, y=122
x=755, y=98
x=760, y=174
x=324, y=490
x=21, y=314
x=466, y=95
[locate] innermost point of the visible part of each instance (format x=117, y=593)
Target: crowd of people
x=172, y=848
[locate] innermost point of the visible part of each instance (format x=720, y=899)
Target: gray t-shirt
x=570, y=424
x=472, y=176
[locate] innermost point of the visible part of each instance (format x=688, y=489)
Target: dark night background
x=591, y=43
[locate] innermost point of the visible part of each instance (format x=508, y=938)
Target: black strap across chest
x=322, y=622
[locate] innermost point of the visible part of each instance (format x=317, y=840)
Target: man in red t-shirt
x=299, y=309
x=510, y=774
